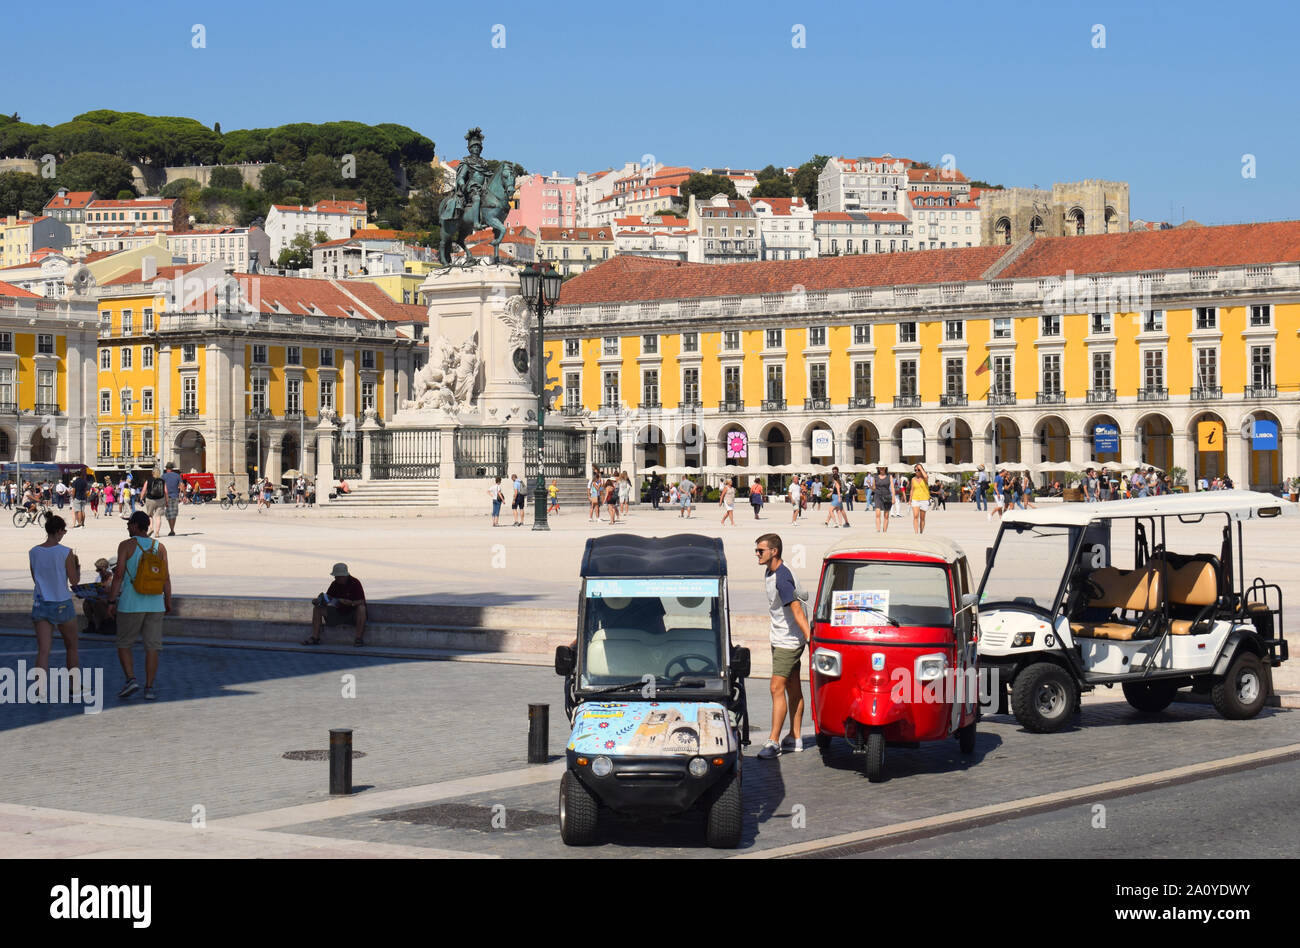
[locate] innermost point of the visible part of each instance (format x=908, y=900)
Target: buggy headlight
x=827, y=662
x=1022, y=639
x=602, y=766
x=698, y=767
x=930, y=667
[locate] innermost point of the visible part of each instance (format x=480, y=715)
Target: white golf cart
x=1063, y=609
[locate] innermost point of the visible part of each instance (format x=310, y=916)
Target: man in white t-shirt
x=796, y=494
x=789, y=636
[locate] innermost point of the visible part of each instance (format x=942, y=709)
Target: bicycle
x=239, y=501
x=23, y=516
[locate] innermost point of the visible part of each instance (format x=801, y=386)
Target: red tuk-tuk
x=894, y=644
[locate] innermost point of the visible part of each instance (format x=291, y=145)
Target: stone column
x=368, y=428
x=387, y=401
x=889, y=452
x=515, y=449
x=1081, y=449
x=348, y=402
x=273, y=447
x=162, y=400
x=324, y=475
x=1028, y=448
x=403, y=378
x=1236, y=457
x=1184, y=448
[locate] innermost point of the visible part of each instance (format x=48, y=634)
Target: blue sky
x=1017, y=92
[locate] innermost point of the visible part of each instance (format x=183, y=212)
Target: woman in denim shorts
x=54, y=571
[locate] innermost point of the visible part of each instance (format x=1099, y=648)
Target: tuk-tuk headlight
x=698, y=767
x=602, y=766
x=827, y=662
x=930, y=667
x=1022, y=639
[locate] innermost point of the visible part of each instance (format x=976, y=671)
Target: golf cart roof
x=1237, y=504
x=938, y=547
x=683, y=554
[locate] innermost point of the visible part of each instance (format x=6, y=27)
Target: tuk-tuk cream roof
x=938, y=547
x=1238, y=504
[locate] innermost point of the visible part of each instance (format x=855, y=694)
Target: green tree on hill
x=95, y=171
x=20, y=191
x=705, y=186
x=228, y=178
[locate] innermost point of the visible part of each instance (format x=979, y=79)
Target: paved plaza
x=444, y=743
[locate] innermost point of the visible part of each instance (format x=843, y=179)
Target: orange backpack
x=150, y=577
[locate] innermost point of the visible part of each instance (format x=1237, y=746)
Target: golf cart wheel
x=725, y=816
x=1044, y=698
x=875, y=757
x=966, y=738
x=1150, y=696
x=1242, y=692
x=579, y=812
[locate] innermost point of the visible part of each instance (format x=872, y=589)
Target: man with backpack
x=155, y=501
x=141, y=594
x=172, y=484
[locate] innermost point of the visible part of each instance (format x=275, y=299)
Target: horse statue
x=493, y=207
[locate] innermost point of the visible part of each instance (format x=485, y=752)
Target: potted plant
x=1293, y=489
x=1178, y=479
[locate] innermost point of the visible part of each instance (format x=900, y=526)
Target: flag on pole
x=984, y=366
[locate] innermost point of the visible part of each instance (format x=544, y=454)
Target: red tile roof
x=781, y=207
x=164, y=273
x=17, y=292
x=101, y=205
x=1234, y=245
x=858, y=216
x=623, y=279
x=935, y=174
x=73, y=199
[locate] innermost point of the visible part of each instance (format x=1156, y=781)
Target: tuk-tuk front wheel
x=1043, y=697
x=875, y=757
x=1242, y=692
x=966, y=738
x=579, y=812
x=726, y=817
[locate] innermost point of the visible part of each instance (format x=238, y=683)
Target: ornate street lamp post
x=540, y=290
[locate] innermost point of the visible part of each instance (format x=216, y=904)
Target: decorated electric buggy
x=1150, y=594
x=654, y=689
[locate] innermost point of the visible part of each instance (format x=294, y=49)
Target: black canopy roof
x=684, y=554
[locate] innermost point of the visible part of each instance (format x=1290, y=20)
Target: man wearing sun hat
x=344, y=603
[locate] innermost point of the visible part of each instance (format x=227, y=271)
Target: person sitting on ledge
x=344, y=603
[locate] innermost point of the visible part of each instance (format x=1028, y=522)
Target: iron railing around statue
x=606, y=449
x=565, y=454
x=480, y=452
x=404, y=455
x=347, y=455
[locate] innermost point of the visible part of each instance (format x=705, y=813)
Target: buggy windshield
x=1029, y=565
x=665, y=628
x=872, y=592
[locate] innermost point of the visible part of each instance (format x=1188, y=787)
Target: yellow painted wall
x=839, y=367
x=929, y=369
x=710, y=369
x=1180, y=362
x=1076, y=367
x=884, y=373
x=796, y=367
x=629, y=383
x=1234, y=369
x=752, y=382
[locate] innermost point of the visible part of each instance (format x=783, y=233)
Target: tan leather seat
x=1196, y=585
x=1136, y=591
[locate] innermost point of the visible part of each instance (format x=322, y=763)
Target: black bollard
x=340, y=761
x=539, y=725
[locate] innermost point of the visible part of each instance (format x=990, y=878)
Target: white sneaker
x=770, y=749
x=794, y=744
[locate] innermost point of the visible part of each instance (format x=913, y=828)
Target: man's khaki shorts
x=152, y=507
x=785, y=662
x=134, y=625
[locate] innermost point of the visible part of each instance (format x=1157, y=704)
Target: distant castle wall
x=1092, y=206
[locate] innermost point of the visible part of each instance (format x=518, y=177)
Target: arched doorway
x=866, y=443
x=819, y=456
x=290, y=455
x=956, y=436
x=1076, y=221
x=909, y=441
x=1155, y=436
x=1210, y=461
x=43, y=448
x=192, y=451
x=1002, y=231
x=1052, y=438
x=778, y=445
x=1108, y=436
x=650, y=447
x=733, y=445
x=1112, y=220
x=1006, y=444
x=1035, y=225
x=1263, y=437
x=693, y=445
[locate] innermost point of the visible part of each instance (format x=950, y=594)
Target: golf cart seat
x=615, y=649
x=1193, y=591
x=1136, y=591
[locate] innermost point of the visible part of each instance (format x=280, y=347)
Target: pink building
x=545, y=201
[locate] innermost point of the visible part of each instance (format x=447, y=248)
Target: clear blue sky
x=1017, y=92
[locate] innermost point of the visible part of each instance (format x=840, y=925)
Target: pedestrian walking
x=920, y=497
x=593, y=493
x=140, y=597
x=172, y=485
x=999, y=496
x=518, y=496
x=60, y=494
x=80, y=497
x=96, y=494
x=110, y=496
x=685, y=490
x=624, y=493
x=495, y=492
x=610, y=493
x=727, y=500
x=755, y=498
x=796, y=498
x=788, y=635
x=155, y=501
x=882, y=495
x=981, y=489
x=553, y=498
x=835, y=512
x=55, y=571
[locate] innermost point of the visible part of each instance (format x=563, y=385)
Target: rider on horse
x=471, y=178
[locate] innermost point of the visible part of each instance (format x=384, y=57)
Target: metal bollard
x=340, y=761
x=539, y=725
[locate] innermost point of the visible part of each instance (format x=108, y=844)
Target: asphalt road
x=1244, y=815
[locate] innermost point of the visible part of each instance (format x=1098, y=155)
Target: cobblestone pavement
x=224, y=718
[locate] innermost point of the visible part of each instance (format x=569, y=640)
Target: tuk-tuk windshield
x=872, y=592
x=1029, y=565
x=668, y=628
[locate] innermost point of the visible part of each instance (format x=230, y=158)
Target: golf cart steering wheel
x=709, y=666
